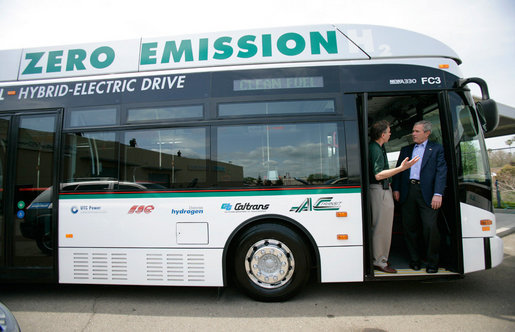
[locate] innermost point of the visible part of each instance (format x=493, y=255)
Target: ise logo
x=140, y=209
x=322, y=204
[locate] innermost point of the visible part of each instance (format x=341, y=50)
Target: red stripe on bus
x=32, y=189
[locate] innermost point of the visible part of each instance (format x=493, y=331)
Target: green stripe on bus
x=213, y=193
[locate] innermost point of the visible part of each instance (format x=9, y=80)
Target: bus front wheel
x=271, y=262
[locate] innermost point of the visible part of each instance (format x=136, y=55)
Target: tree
x=469, y=158
x=510, y=142
x=499, y=158
x=506, y=180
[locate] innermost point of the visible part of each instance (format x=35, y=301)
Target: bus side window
x=280, y=155
x=90, y=156
x=92, y=116
x=164, y=158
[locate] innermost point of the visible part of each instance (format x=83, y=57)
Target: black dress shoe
x=432, y=269
x=414, y=265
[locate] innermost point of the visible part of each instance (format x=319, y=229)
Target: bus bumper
x=496, y=250
x=482, y=253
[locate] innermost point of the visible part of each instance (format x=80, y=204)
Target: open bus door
x=28, y=167
x=402, y=111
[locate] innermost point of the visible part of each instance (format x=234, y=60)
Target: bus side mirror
x=486, y=107
x=488, y=114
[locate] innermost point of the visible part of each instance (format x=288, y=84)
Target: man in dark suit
x=420, y=190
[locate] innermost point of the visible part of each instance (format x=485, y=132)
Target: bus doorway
x=402, y=112
x=28, y=166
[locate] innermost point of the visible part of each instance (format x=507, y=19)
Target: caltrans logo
x=322, y=204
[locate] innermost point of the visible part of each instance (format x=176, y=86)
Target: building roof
x=506, y=122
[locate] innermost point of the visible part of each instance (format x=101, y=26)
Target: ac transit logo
x=322, y=204
x=244, y=207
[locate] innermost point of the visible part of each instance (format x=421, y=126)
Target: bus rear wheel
x=271, y=262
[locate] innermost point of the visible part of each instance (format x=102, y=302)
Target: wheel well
x=228, y=255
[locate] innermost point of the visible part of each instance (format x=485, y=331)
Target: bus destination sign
x=278, y=83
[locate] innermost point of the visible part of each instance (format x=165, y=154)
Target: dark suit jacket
x=433, y=173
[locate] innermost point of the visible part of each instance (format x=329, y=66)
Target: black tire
x=271, y=262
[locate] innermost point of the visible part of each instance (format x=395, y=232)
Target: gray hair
x=428, y=126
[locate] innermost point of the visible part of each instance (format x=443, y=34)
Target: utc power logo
x=322, y=204
x=87, y=209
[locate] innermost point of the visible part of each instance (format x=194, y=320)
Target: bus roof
x=249, y=47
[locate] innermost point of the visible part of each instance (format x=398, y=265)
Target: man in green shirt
x=381, y=197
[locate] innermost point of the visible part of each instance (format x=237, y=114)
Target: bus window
x=472, y=161
x=90, y=156
x=277, y=107
x=4, y=126
x=165, y=113
x=166, y=158
x=280, y=155
x=93, y=116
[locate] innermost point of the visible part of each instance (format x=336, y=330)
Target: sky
x=482, y=32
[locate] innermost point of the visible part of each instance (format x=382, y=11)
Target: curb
x=503, y=231
x=507, y=211
x=508, y=225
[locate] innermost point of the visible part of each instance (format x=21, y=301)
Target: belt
x=413, y=181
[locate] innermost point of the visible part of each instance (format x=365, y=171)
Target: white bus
x=235, y=158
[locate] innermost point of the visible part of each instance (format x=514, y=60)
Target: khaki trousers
x=382, y=222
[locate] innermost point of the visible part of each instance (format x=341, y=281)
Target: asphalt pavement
x=505, y=220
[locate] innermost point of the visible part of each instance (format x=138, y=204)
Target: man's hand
x=387, y=173
x=436, y=202
x=406, y=163
x=396, y=195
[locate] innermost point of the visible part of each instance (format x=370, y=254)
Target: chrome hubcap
x=269, y=263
